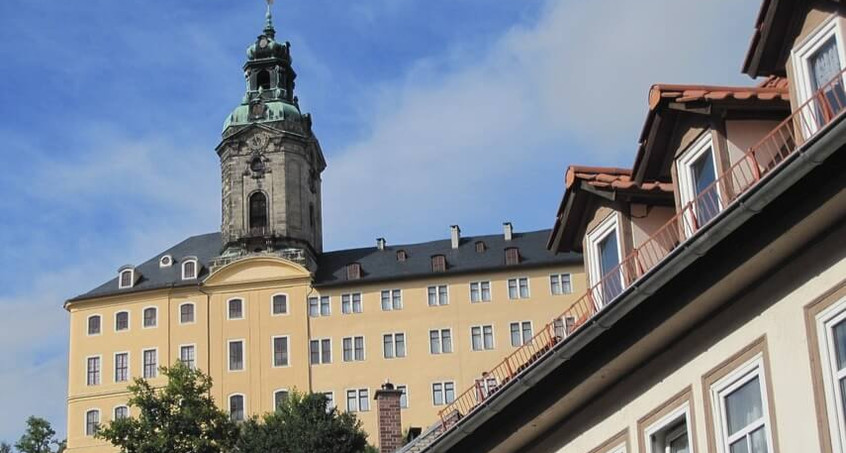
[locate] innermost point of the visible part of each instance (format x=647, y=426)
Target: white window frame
x=357, y=392
x=273, y=397
x=351, y=296
x=143, y=317
x=229, y=406
x=156, y=368
x=243, y=353
x=273, y=350
x=404, y=389
x=196, y=268
x=128, y=366
x=193, y=313
x=330, y=396
x=243, y=309
x=287, y=304
x=166, y=261
x=99, y=358
x=187, y=345
x=128, y=321
x=443, y=384
x=560, y=281
x=394, y=345
x=88, y=325
x=437, y=287
x=440, y=332
x=734, y=380
x=131, y=278
x=120, y=406
x=85, y=421
x=687, y=191
x=482, y=331
x=667, y=421
x=835, y=410
x=481, y=293
x=523, y=341
x=609, y=225
x=321, y=360
x=516, y=281
x=803, y=50
x=352, y=339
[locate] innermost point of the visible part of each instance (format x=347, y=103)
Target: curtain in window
x=825, y=66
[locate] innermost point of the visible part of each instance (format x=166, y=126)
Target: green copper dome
x=273, y=111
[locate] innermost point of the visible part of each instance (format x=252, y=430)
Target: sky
x=430, y=113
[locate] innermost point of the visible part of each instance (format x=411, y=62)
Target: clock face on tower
x=263, y=42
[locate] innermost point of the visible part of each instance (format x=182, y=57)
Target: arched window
x=258, y=210
x=236, y=408
x=186, y=313
x=121, y=321
x=263, y=79
x=280, y=304
x=127, y=277
x=94, y=325
x=121, y=412
x=279, y=398
x=92, y=422
x=150, y=317
x=189, y=269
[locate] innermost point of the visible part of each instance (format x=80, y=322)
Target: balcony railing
x=761, y=159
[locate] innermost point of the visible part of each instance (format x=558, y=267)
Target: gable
x=257, y=269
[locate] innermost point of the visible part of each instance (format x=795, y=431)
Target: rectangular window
x=187, y=356
x=560, y=284
x=313, y=307
x=150, y=314
x=121, y=367
x=818, y=61
x=351, y=303
x=440, y=341
x=518, y=288
x=236, y=355
x=352, y=400
x=280, y=304
x=353, y=349
x=393, y=345
x=92, y=422
x=521, y=333
x=697, y=170
x=481, y=337
x=741, y=409
x=320, y=351
x=325, y=306
x=93, y=371
x=150, y=363
x=603, y=260
x=831, y=336
x=391, y=299
x=443, y=393
x=670, y=433
x=404, y=396
x=480, y=291
x=236, y=309
x=186, y=313
x=330, y=400
x=358, y=400
x=438, y=295
x=280, y=351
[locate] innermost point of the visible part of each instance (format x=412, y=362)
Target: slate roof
x=376, y=265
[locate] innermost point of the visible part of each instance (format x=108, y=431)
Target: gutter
x=812, y=154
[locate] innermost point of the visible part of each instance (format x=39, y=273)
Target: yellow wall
x=256, y=280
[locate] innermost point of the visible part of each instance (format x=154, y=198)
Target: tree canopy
x=38, y=438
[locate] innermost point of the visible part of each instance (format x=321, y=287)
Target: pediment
x=257, y=270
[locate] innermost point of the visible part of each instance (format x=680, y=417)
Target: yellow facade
x=256, y=280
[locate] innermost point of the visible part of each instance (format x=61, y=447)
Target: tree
x=179, y=418
x=38, y=438
x=5, y=448
x=303, y=424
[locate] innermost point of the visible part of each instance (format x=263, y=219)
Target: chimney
x=507, y=230
x=381, y=243
x=389, y=418
x=455, y=235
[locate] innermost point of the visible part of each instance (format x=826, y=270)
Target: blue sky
x=430, y=113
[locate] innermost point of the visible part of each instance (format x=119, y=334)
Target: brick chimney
x=389, y=418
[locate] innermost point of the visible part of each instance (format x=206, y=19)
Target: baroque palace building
x=265, y=311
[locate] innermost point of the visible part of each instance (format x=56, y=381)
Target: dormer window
x=353, y=271
x=480, y=247
x=189, y=268
x=604, y=252
x=402, y=256
x=126, y=278
x=438, y=263
x=697, y=170
x=166, y=261
x=818, y=60
x=512, y=256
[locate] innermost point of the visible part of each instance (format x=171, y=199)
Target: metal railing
x=761, y=159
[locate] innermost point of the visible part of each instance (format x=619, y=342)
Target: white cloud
x=445, y=140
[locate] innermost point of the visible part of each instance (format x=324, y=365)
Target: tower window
x=258, y=210
x=257, y=165
x=263, y=80
x=311, y=214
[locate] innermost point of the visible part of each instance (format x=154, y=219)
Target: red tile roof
x=689, y=93
x=613, y=178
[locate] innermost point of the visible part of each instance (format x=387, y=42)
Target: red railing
x=805, y=122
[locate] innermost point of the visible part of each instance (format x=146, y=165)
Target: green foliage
x=303, y=425
x=38, y=438
x=5, y=448
x=180, y=418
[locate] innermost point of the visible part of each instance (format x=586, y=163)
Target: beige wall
x=781, y=325
x=648, y=221
x=255, y=281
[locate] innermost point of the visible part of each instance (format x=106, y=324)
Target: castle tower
x=270, y=162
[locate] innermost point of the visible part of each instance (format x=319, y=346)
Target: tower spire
x=269, y=31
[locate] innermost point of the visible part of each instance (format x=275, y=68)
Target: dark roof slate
x=376, y=265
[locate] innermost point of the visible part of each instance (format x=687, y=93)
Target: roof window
x=438, y=263
x=512, y=256
x=353, y=271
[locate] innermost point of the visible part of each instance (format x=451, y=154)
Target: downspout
x=208, y=328
x=308, y=338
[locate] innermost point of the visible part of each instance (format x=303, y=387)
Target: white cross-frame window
x=697, y=170
x=604, y=253
x=831, y=333
x=741, y=411
x=818, y=60
x=671, y=433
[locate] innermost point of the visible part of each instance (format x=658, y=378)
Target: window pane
x=474, y=292
x=235, y=309
x=515, y=334
x=397, y=299
x=388, y=346
x=352, y=400
x=565, y=284
x=758, y=440
x=325, y=308
x=280, y=351
x=280, y=304
x=347, y=349
x=150, y=317
x=386, y=300
x=433, y=298
x=527, y=332
x=434, y=342
x=121, y=412
x=356, y=303
x=524, y=288
x=437, y=394
x=743, y=406
x=93, y=325
x=739, y=446
x=609, y=258
x=404, y=396
x=446, y=340
x=555, y=284
x=488, y=331
x=236, y=355
x=399, y=339
x=345, y=304
x=512, y=289
x=449, y=392
x=703, y=175
x=122, y=321
x=326, y=351
x=236, y=408
x=486, y=291
x=314, y=352
x=442, y=295
x=359, y=348
x=313, y=309
x=839, y=333
x=363, y=400
x=279, y=398
x=476, y=336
